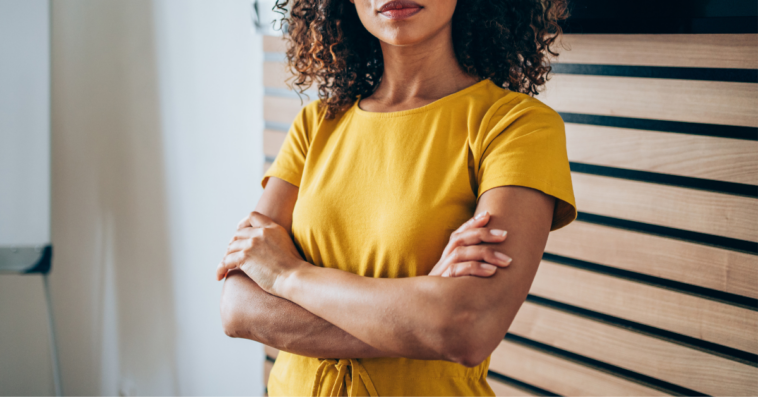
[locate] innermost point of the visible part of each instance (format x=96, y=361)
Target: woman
x=385, y=290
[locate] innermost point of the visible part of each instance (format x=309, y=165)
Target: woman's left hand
x=263, y=250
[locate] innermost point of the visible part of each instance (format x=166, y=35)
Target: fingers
x=230, y=262
x=471, y=268
x=245, y=222
x=245, y=233
x=479, y=220
x=473, y=236
x=238, y=245
x=255, y=219
x=479, y=235
x=479, y=253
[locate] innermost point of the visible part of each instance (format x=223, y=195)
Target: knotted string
x=350, y=375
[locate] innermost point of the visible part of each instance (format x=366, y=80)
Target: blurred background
x=133, y=134
x=156, y=125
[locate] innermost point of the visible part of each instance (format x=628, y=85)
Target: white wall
x=156, y=154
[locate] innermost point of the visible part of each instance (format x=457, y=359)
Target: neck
x=421, y=73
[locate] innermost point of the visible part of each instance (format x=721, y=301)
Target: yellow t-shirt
x=380, y=194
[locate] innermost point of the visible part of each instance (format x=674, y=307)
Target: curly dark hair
x=506, y=41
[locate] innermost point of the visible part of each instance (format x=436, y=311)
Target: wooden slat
x=671, y=206
x=274, y=44
x=266, y=166
x=275, y=75
x=636, y=352
x=282, y=110
x=685, y=314
x=671, y=259
x=723, y=159
x=272, y=142
x=561, y=376
x=679, y=50
x=505, y=390
x=270, y=351
x=712, y=102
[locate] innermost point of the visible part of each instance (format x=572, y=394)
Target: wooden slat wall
x=654, y=289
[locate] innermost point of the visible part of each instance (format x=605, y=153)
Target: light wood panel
x=731, y=160
x=561, y=376
x=697, y=264
x=712, y=102
x=640, y=353
x=680, y=50
x=671, y=206
x=266, y=166
x=506, y=390
x=666, y=309
x=274, y=44
x=272, y=142
x=282, y=110
x=275, y=75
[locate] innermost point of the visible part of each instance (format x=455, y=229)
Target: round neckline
x=419, y=109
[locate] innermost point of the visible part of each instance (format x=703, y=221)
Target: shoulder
x=514, y=114
x=510, y=107
x=310, y=114
x=312, y=118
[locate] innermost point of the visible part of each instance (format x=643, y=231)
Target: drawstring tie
x=350, y=377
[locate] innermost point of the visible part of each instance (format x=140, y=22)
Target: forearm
x=431, y=318
x=251, y=313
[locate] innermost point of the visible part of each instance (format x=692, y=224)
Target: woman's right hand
x=463, y=256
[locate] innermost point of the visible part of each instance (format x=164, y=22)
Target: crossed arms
x=319, y=312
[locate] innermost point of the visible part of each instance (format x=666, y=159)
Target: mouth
x=400, y=9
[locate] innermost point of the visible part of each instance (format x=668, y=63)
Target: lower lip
x=401, y=13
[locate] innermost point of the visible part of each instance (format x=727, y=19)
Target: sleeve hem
x=565, y=207
x=281, y=173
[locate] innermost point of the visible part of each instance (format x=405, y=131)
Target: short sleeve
x=290, y=161
x=524, y=144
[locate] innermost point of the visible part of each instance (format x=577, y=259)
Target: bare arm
x=455, y=319
x=249, y=312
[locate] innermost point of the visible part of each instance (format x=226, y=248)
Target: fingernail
x=488, y=267
x=481, y=215
x=498, y=232
x=503, y=257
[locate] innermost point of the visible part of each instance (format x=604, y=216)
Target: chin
x=403, y=36
x=409, y=28
x=407, y=33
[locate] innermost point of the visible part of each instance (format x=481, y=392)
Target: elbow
x=230, y=319
x=473, y=357
x=467, y=349
x=464, y=338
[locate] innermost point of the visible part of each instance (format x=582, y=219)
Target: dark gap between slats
x=645, y=380
x=661, y=25
x=660, y=72
x=729, y=353
x=521, y=385
x=270, y=359
x=734, y=244
x=680, y=127
x=269, y=159
x=701, y=292
x=739, y=189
